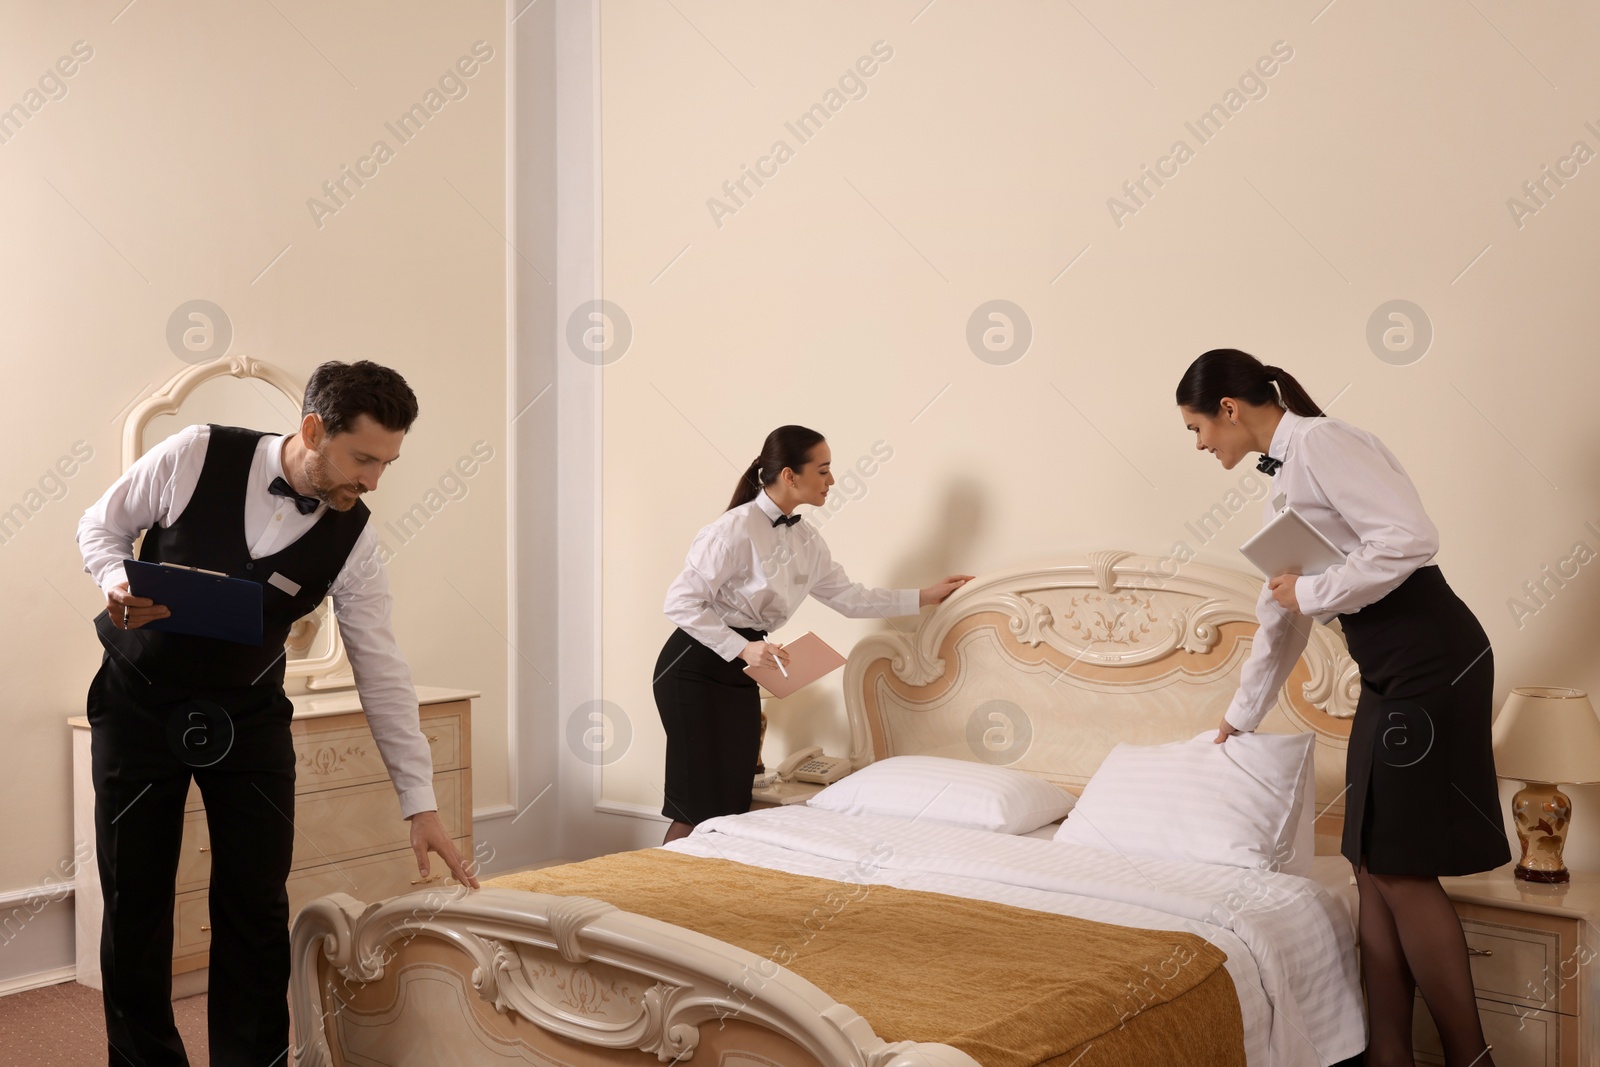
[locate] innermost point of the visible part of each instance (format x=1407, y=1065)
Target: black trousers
x=711, y=711
x=236, y=745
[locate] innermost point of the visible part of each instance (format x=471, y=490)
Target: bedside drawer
x=1522, y=959
x=1521, y=1037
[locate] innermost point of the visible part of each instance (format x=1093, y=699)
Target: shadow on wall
x=944, y=545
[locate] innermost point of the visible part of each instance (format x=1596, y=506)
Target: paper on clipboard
x=1291, y=545
x=810, y=658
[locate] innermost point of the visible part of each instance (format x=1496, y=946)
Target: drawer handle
x=205, y=929
x=433, y=737
x=425, y=881
x=1479, y=951
x=205, y=848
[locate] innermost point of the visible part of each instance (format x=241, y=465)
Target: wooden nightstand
x=780, y=793
x=1536, y=965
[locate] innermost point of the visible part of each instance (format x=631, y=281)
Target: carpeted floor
x=64, y=1026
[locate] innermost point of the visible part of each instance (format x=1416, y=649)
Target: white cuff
x=1239, y=720
x=1305, y=592
x=420, y=799
x=730, y=648
x=116, y=574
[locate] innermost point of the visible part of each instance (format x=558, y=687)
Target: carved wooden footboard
x=499, y=976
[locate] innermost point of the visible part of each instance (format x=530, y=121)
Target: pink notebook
x=809, y=659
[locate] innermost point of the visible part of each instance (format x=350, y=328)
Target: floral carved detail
x=580, y=990
x=329, y=760
x=1119, y=618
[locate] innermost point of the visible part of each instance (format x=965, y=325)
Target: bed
x=797, y=935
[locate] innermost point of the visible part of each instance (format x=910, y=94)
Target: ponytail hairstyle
x=1229, y=372
x=787, y=446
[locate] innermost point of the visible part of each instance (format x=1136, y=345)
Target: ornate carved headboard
x=1045, y=669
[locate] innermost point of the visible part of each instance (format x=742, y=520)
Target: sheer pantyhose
x=1411, y=939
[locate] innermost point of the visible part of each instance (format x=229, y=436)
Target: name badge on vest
x=287, y=585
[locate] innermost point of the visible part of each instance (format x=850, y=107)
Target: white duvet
x=1289, y=942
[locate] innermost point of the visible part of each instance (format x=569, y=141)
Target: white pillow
x=1244, y=803
x=953, y=791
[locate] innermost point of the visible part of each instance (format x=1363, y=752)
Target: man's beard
x=326, y=482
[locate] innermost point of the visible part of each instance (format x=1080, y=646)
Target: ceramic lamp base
x=1542, y=814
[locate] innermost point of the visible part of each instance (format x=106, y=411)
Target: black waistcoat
x=210, y=534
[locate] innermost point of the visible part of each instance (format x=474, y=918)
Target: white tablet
x=1290, y=545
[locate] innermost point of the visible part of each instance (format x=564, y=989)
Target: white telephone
x=810, y=765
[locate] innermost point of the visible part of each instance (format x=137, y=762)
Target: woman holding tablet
x=1421, y=798
x=745, y=575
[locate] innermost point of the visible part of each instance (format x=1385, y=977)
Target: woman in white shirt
x=1421, y=798
x=745, y=575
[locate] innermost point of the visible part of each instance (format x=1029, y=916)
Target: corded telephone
x=810, y=765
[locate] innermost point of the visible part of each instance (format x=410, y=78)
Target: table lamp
x=1543, y=736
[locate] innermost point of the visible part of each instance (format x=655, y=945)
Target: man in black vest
x=284, y=512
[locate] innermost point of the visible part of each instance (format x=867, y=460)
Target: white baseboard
x=633, y=811
x=499, y=811
x=39, y=980
x=36, y=946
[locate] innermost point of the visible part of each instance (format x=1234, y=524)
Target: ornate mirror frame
x=331, y=670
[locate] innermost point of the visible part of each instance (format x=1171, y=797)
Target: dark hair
x=787, y=446
x=342, y=392
x=1229, y=372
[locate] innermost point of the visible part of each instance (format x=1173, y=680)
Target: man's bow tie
x=1268, y=466
x=786, y=520
x=306, y=504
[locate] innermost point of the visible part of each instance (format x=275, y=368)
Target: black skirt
x=1421, y=795
x=711, y=710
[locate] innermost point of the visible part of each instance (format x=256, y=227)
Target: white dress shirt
x=157, y=488
x=744, y=571
x=1351, y=488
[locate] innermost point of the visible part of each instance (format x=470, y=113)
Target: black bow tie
x=1268, y=466
x=786, y=520
x=306, y=504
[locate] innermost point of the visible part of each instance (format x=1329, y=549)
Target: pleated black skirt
x=711, y=710
x=1422, y=798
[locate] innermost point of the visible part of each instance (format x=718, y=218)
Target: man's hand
x=428, y=835
x=1283, y=591
x=129, y=612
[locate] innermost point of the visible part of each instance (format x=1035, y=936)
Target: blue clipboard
x=203, y=603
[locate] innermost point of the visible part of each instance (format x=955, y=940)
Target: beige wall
x=1374, y=164
x=177, y=166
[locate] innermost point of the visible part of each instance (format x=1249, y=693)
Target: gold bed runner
x=1008, y=986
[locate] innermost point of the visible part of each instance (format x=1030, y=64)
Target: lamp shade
x=1547, y=735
